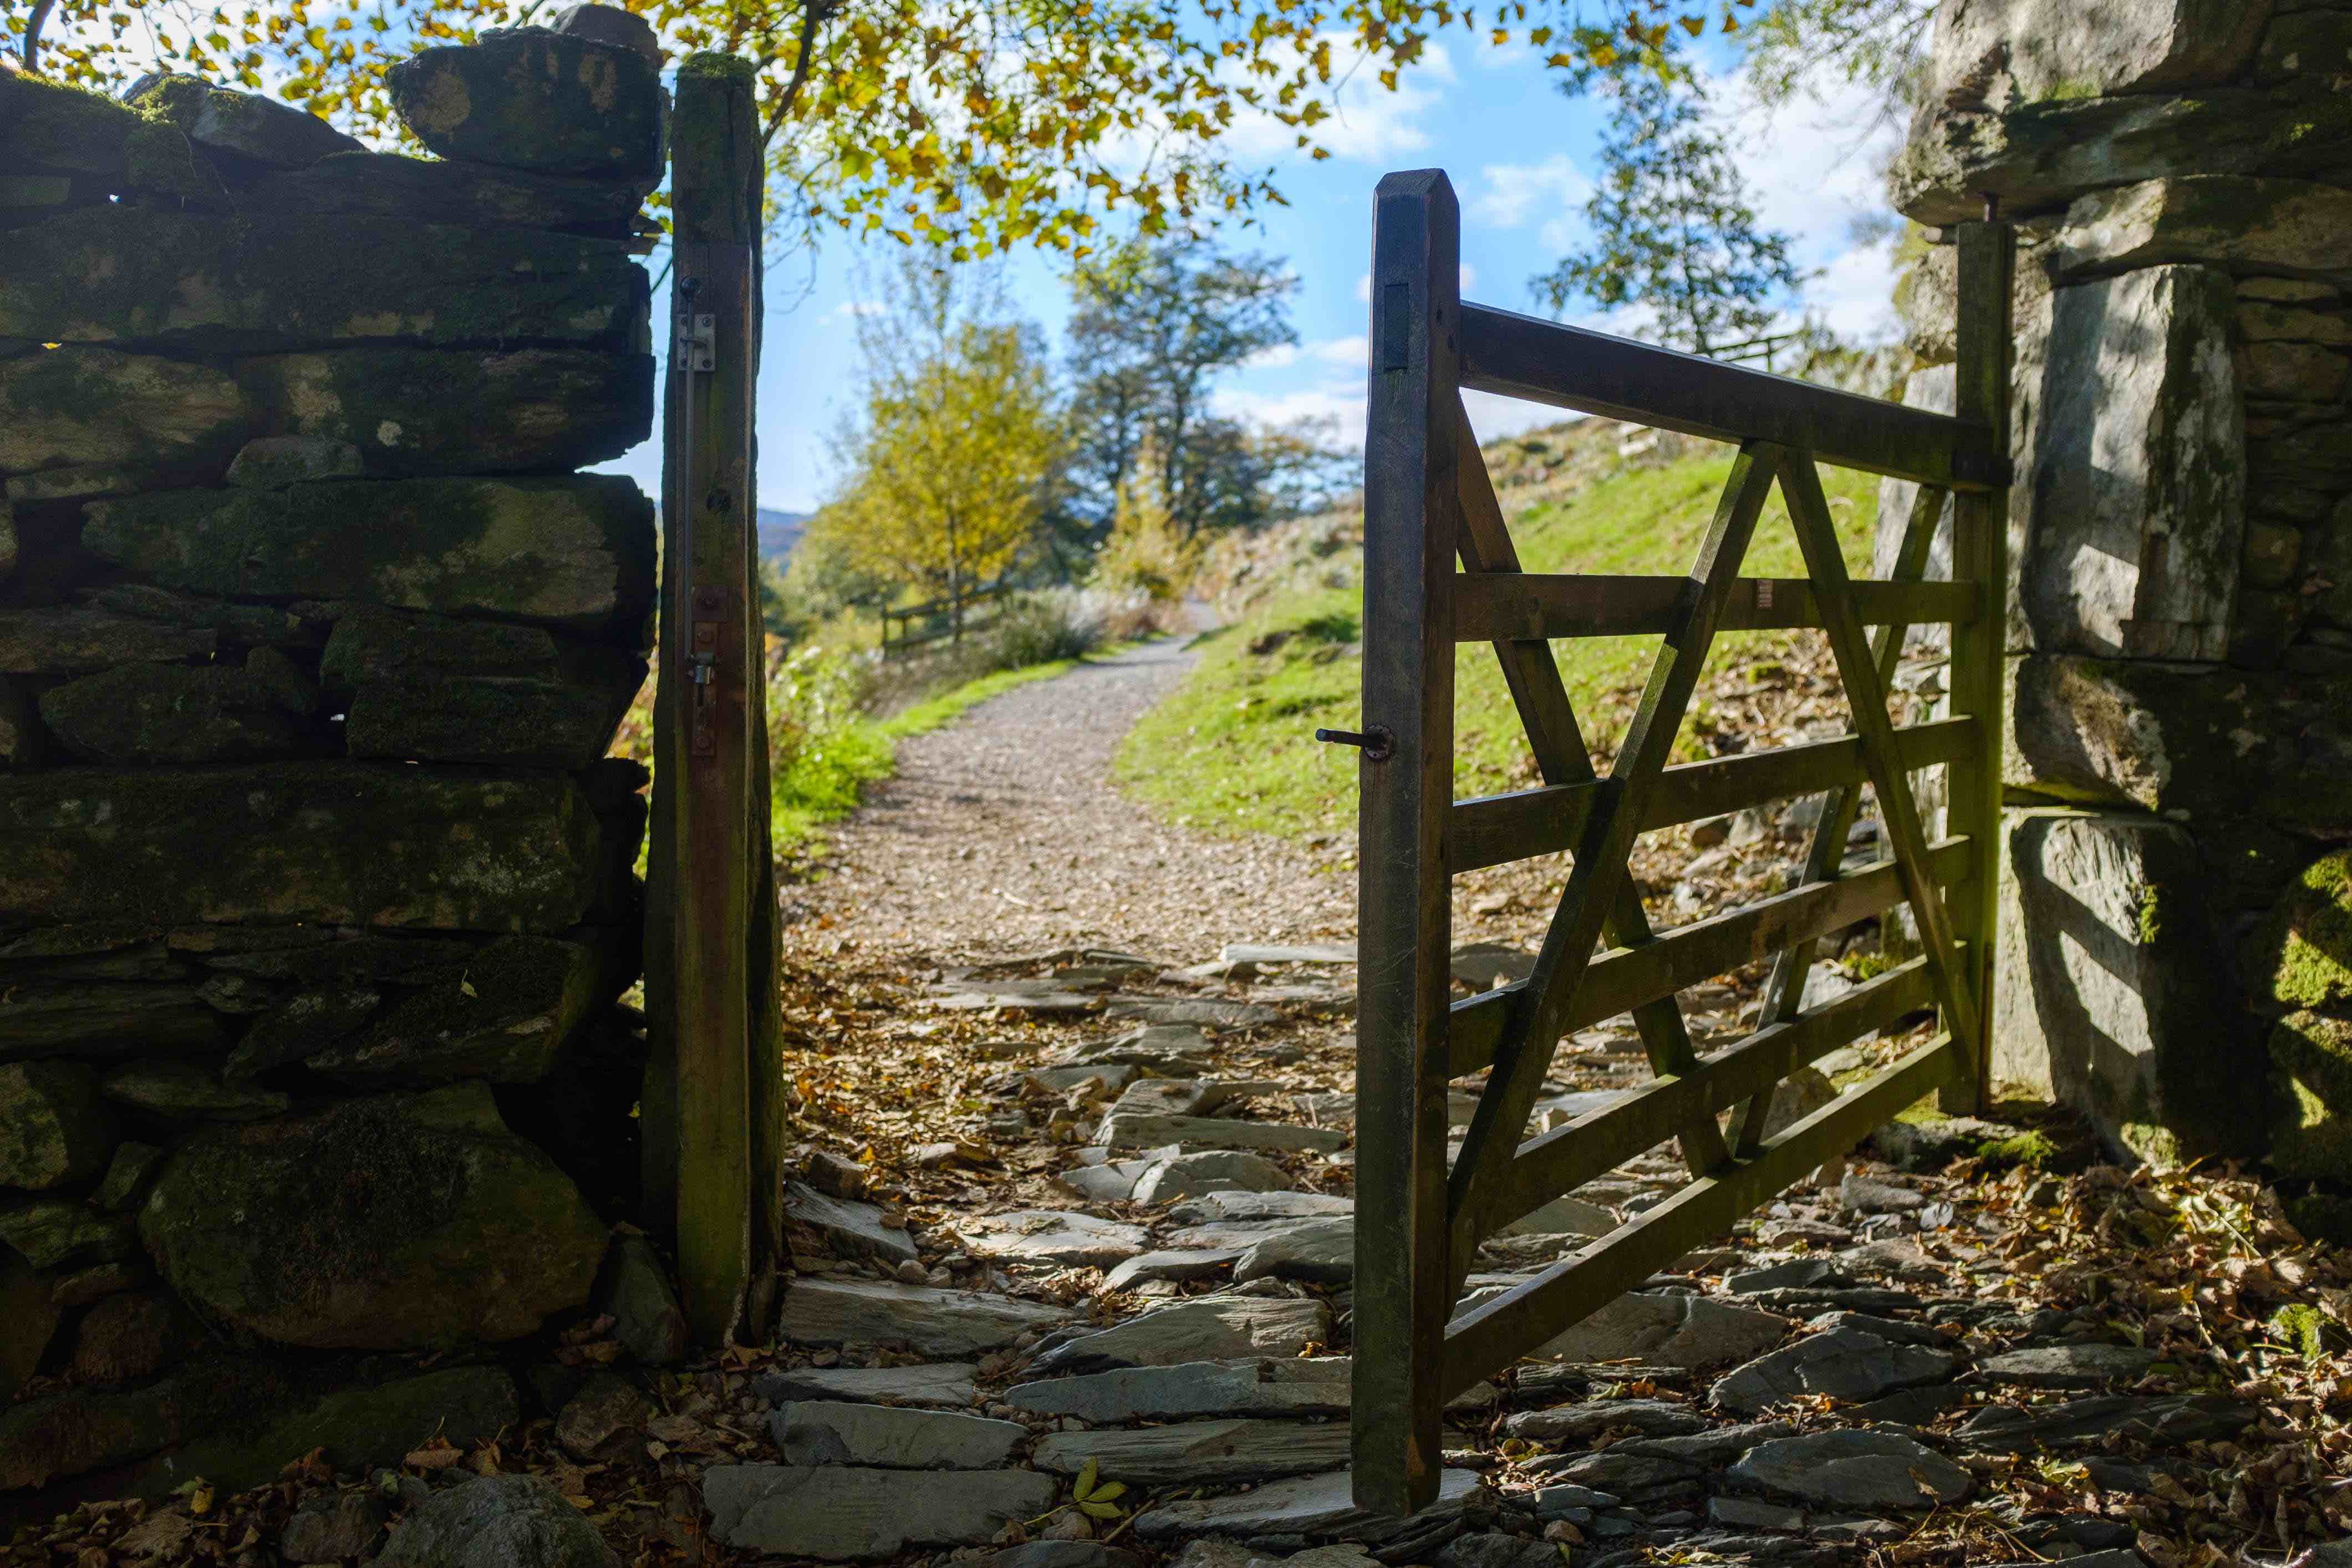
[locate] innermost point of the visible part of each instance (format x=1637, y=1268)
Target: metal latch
x=1377, y=742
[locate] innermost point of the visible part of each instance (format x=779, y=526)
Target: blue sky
x=1519, y=154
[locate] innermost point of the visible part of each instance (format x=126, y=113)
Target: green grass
x=823, y=782
x=1233, y=749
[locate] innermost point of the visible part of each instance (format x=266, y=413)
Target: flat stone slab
x=1062, y=1554
x=839, y=1513
x=1149, y=1131
x=827, y=1433
x=2164, y=1421
x=1627, y=1475
x=853, y=1229
x=1311, y=953
x=1854, y=1469
x=939, y=1383
x=1193, y=1010
x=1059, y=1237
x=1212, y=1328
x=1188, y=1096
x=1198, y=1452
x=930, y=1321
x=1112, y=1182
x=1061, y=1080
x=120, y=274
x=1563, y=1216
x=1055, y=1000
x=1666, y=1329
x=1251, y=1207
x=1321, y=1508
x=1319, y=1251
x=1816, y=1273
x=1487, y=964
x=1714, y=1446
x=1181, y=1175
x=1579, y=1422
x=1198, y=1263
x=1844, y=1364
x=2069, y=1366
x=1313, y=1385
x=1174, y=1050
x=334, y=843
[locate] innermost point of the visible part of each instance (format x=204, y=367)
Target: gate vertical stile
x=713, y=1108
x=1404, y=1273
x=1428, y=499
x=1985, y=340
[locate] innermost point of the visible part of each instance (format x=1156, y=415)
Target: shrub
x=1041, y=628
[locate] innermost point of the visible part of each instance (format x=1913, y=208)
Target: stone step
x=1134, y=1130
x=839, y=1513
x=939, y=1383
x=1211, y=1328
x=1198, y=1453
x=1319, y=1508
x=830, y=1432
x=928, y=1320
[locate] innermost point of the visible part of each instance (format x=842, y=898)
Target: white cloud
x=1340, y=400
x=1510, y=193
x=1813, y=166
x=1351, y=352
x=1273, y=356
x=849, y=310
x=1495, y=417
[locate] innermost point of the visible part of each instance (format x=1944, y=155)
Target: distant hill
x=779, y=532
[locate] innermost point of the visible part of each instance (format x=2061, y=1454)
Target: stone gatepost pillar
x=2180, y=756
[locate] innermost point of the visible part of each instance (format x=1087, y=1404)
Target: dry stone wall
x=2180, y=756
x=316, y=884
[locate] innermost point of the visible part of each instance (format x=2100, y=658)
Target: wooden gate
x=1428, y=505
x=712, y=1115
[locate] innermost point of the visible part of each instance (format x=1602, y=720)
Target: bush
x=1043, y=628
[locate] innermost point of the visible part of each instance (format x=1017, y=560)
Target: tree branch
x=812, y=13
x=33, y=26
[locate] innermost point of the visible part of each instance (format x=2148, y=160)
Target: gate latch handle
x=1377, y=742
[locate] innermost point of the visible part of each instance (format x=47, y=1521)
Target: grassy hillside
x=1235, y=747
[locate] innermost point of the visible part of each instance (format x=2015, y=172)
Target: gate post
x=713, y=1103
x=1404, y=1274
x=1988, y=252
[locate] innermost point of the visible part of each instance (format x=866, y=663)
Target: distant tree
x=1154, y=324
x=1673, y=228
x=1145, y=553
x=946, y=464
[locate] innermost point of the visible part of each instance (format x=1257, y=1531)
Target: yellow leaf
x=1100, y=1510
x=1084, y=1487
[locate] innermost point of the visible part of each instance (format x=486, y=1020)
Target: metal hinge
x=698, y=336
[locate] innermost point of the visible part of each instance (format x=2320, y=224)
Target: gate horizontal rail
x=1440, y=570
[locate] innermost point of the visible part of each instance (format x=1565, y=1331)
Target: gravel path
x=1003, y=833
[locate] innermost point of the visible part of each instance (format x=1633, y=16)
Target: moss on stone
x=45, y=124
x=121, y=274
x=331, y=842
x=2301, y=956
x=439, y=411
x=393, y=1223
x=530, y=98
x=504, y=1017
x=575, y=553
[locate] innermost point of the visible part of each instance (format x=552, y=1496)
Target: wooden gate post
x=1984, y=333
x=1404, y=1282
x=713, y=1106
